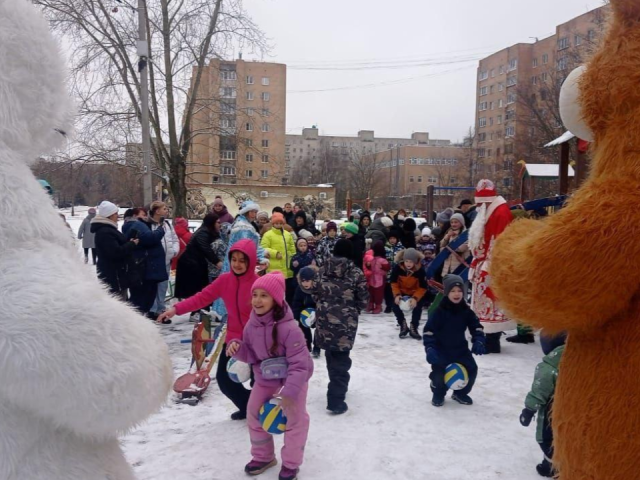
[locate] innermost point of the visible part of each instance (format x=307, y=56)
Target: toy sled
x=205, y=348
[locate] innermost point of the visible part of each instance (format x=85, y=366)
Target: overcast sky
x=343, y=32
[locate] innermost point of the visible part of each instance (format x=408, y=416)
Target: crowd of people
x=259, y=271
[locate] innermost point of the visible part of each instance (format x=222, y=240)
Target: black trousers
x=308, y=335
x=547, y=435
x=143, y=297
x=94, y=254
x=388, y=296
x=232, y=390
x=338, y=366
x=290, y=289
x=437, y=375
x=416, y=314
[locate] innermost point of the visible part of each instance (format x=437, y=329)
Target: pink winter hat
x=273, y=283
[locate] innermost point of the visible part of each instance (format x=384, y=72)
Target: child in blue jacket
x=445, y=342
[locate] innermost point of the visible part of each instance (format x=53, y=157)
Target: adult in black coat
x=192, y=274
x=357, y=243
x=409, y=233
x=114, y=254
x=379, y=230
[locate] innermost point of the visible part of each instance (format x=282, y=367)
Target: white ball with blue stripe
x=308, y=317
x=238, y=371
x=456, y=376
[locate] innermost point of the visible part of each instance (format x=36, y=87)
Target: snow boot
x=316, y=352
x=545, y=469
x=387, y=309
x=339, y=409
x=256, y=468
x=493, y=342
x=377, y=310
x=369, y=307
x=238, y=415
x=404, y=329
x=437, y=400
x=288, y=473
x=462, y=399
x=519, y=338
x=413, y=332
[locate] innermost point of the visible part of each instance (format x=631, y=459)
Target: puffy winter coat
x=302, y=299
x=357, y=242
x=340, y=291
x=375, y=269
x=150, y=249
x=170, y=242
x=114, y=254
x=279, y=241
x=446, y=327
x=234, y=290
x=224, y=216
x=543, y=388
x=377, y=231
x=257, y=340
x=181, y=226
x=408, y=282
x=85, y=234
x=452, y=262
x=192, y=274
x=325, y=249
x=302, y=260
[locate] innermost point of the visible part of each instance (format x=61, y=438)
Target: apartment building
x=239, y=124
x=306, y=152
x=517, y=93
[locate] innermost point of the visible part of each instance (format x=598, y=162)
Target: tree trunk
x=177, y=186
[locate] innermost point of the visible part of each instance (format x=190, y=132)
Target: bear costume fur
x=77, y=367
x=579, y=271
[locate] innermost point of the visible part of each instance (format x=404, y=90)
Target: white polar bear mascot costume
x=77, y=367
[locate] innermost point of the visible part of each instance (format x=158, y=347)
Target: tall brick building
x=517, y=93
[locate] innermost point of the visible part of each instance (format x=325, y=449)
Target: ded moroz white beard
x=476, y=232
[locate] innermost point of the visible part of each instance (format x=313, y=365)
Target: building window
x=499, y=119
x=511, y=98
x=545, y=58
x=500, y=87
x=482, y=152
x=491, y=89
x=512, y=80
x=507, y=165
x=419, y=178
x=482, y=122
x=493, y=72
x=227, y=123
x=248, y=142
x=483, y=75
x=563, y=43
x=249, y=127
x=500, y=103
x=215, y=179
x=249, y=79
x=482, y=137
x=484, y=91
x=249, y=157
x=227, y=108
x=433, y=179
x=248, y=173
x=513, y=64
x=250, y=112
x=511, y=114
x=249, y=95
x=488, y=152
x=228, y=92
x=506, y=182
x=264, y=194
x=265, y=81
x=591, y=35
x=266, y=112
x=265, y=127
x=563, y=63
x=534, y=80
x=491, y=105
x=264, y=173
x=577, y=40
x=411, y=179
x=510, y=131
x=228, y=75
x=228, y=155
x=483, y=106
x=228, y=170
x=545, y=76
x=322, y=195
x=266, y=96
x=265, y=158
x=501, y=69
x=535, y=62
x=265, y=143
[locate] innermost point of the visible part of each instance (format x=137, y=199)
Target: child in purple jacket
x=273, y=333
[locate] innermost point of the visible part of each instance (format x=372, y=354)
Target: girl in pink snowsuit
x=376, y=267
x=272, y=333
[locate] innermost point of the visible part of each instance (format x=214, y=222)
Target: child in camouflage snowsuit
x=540, y=400
x=340, y=291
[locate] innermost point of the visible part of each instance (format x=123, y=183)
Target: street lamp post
x=143, y=53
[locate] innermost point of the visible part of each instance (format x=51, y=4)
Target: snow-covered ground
x=391, y=430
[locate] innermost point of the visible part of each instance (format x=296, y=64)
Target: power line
x=390, y=65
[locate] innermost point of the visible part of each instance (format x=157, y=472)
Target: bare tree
x=365, y=179
x=105, y=71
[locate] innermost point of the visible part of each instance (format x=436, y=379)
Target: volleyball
x=238, y=371
x=405, y=306
x=308, y=317
x=272, y=418
x=456, y=376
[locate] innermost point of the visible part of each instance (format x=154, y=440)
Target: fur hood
x=400, y=257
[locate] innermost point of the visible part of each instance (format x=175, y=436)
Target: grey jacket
x=84, y=232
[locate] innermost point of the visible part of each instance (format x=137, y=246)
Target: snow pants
x=388, y=297
x=376, y=296
x=437, y=374
x=338, y=366
x=232, y=390
x=416, y=314
x=94, y=255
x=295, y=436
x=547, y=435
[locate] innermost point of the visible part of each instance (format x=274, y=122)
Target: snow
x=546, y=170
x=390, y=431
x=565, y=137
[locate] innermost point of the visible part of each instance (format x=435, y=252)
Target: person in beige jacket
x=456, y=229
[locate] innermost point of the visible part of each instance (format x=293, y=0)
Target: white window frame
x=483, y=75
x=248, y=127
x=484, y=91
x=227, y=170
x=249, y=79
x=264, y=173
x=248, y=158
x=513, y=64
x=264, y=194
x=482, y=122
x=265, y=143
x=266, y=128
x=227, y=155
x=248, y=173
x=564, y=43
x=322, y=195
x=265, y=81
x=265, y=158
x=510, y=131
x=228, y=75
x=266, y=96
x=249, y=95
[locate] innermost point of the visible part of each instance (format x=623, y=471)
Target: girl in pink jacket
x=234, y=288
x=273, y=334
x=376, y=267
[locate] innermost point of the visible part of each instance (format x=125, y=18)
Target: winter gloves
x=526, y=416
x=434, y=357
x=479, y=347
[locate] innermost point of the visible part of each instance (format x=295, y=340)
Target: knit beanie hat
x=351, y=228
x=444, y=217
x=459, y=217
x=395, y=233
x=412, y=255
x=273, y=283
x=263, y=215
x=306, y=274
x=248, y=206
x=426, y=231
x=451, y=281
x=306, y=234
x=409, y=225
x=332, y=226
x=276, y=217
x=301, y=239
x=219, y=201
x=387, y=222
x=106, y=209
x=91, y=211
x=343, y=249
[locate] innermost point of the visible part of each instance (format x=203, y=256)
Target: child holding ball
x=445, y=342
x=273, y=334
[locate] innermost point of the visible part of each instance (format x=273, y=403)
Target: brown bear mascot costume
x=579, y=271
